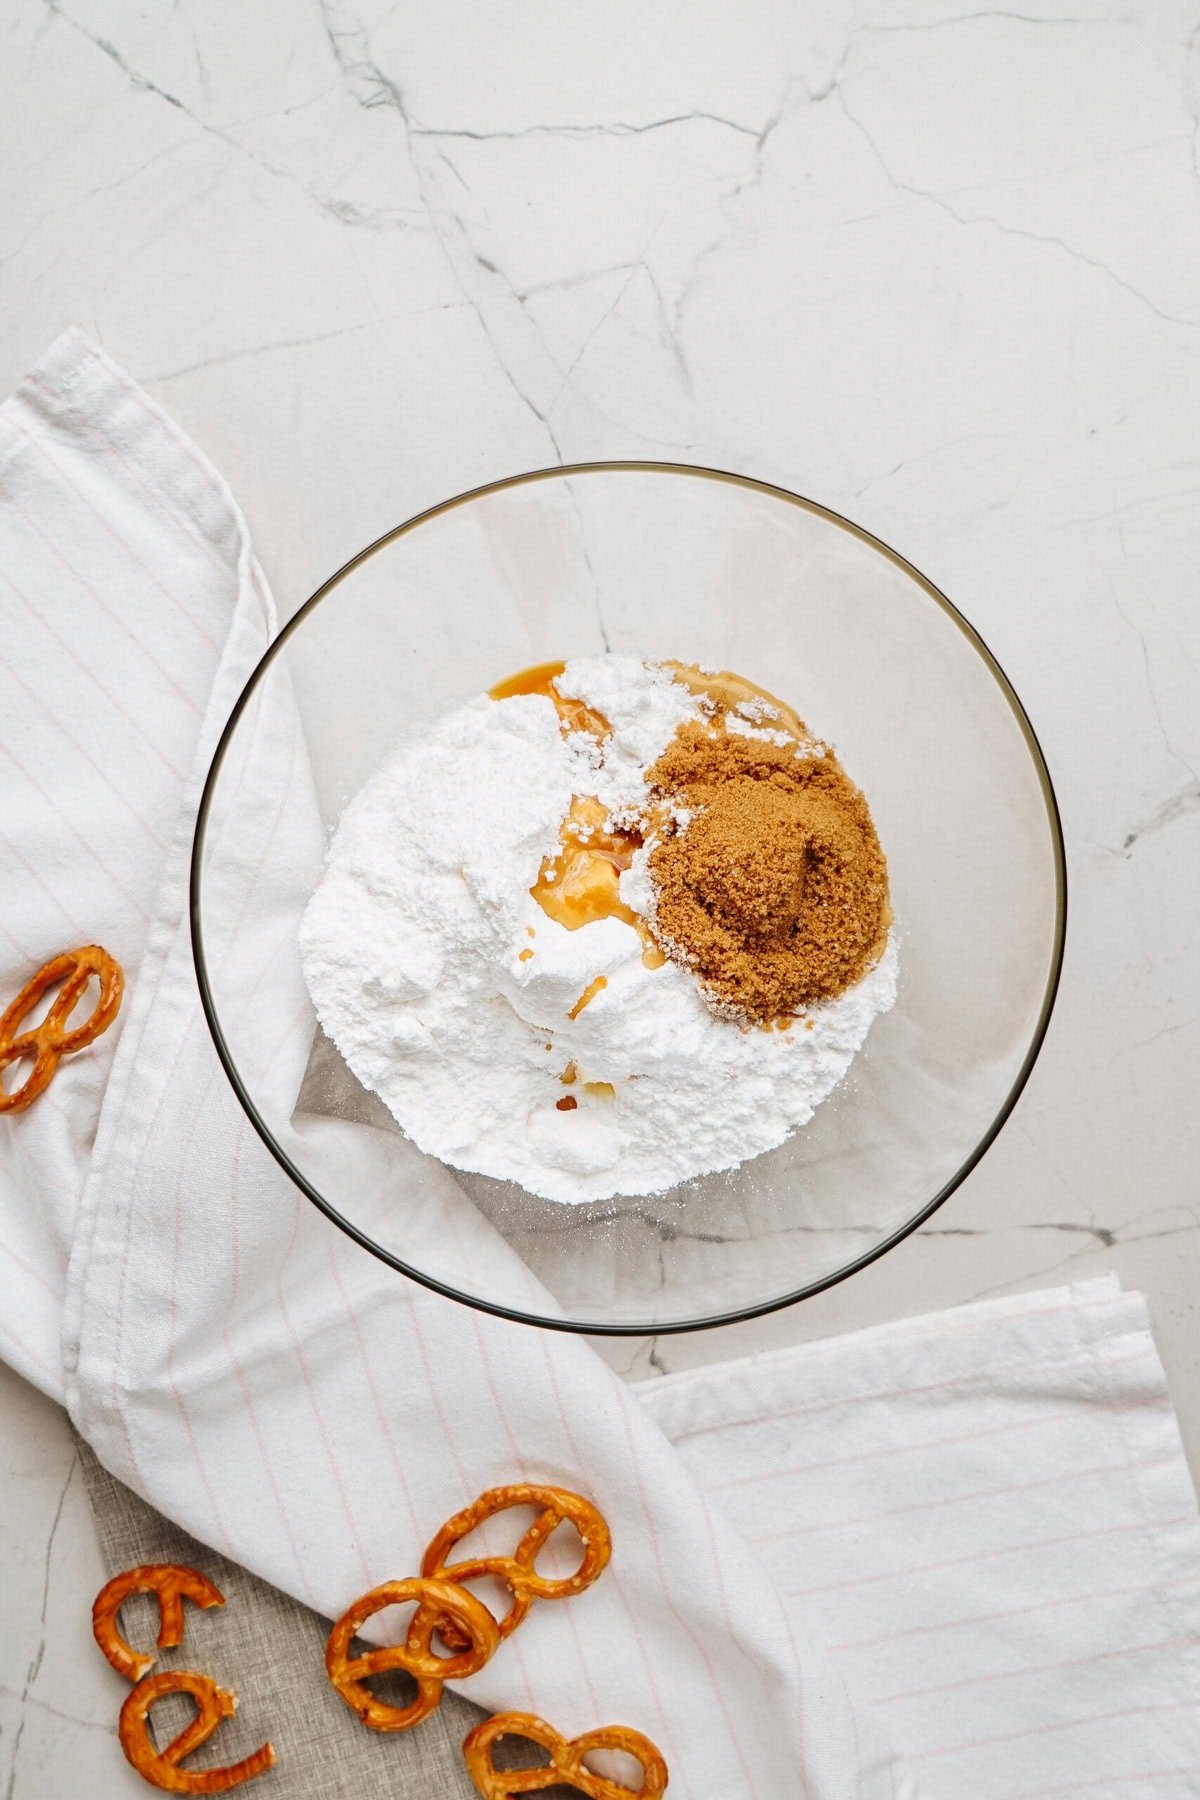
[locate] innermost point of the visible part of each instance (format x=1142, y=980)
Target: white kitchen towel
x=985, y=1515
x=933, y=1500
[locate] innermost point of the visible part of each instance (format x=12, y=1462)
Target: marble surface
x=935, y=267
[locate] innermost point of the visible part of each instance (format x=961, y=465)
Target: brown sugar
x=774, y=892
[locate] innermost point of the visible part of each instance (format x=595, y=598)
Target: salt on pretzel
x=518, y=1572
x=161, y=1767
x=170, y=1582
x=50, y=1041
x=436, y=1601
x=566, y=1763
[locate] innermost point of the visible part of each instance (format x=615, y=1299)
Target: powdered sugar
x=740, y=726
x=412, y=948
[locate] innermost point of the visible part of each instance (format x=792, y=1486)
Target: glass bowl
x=661, y=561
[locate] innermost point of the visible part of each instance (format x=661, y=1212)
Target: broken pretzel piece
x=170, y=1582
x=161, y=1767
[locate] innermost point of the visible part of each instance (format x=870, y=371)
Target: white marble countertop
x=932, y=266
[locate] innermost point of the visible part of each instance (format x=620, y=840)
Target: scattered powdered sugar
x=742, y=727
x=412, y=948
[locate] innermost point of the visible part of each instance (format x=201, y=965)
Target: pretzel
x=475, y=1628
x=566, y=1760
x=518, y=1572
x=161, y=1767
x=170, y=1581
x=50, y=1041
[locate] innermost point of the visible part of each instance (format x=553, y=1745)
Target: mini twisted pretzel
x=170, y=1581
x=475, y=1628
x=566, y=1760
x=49, y=1042
x=161, y=1767
x=518, y=1572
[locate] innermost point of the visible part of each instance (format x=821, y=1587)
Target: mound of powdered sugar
x=413, y=943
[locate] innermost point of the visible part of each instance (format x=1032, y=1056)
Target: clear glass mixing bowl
x=659, y=561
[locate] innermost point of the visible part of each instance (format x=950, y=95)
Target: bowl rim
x=740, y=1314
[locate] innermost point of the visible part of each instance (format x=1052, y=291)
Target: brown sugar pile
x=775, y=891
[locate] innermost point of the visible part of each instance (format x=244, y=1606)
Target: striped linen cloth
x=985, y=1517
